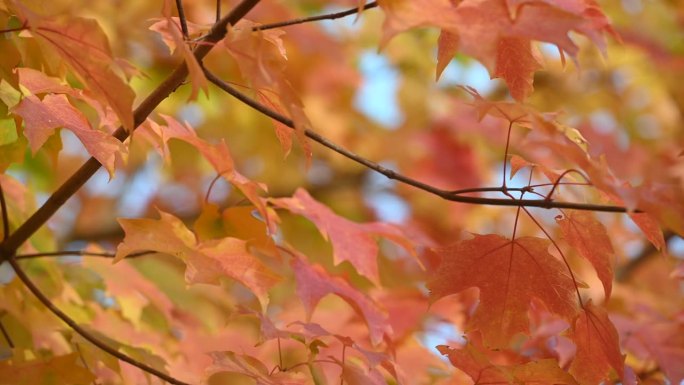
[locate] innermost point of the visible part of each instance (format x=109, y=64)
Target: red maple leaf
x=509, y=274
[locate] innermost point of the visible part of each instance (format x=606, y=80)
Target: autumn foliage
x=339, y=192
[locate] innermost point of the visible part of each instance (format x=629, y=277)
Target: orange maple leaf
x=314, y=283
x=479, y=367
x=83, y=45
x=206, y=262
x=43, y=117
x=589, y=237
x=509, y=274
x=353, y=242
x=598, y=348
x=498, y=33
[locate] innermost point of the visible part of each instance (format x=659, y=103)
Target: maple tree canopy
x=321, y=192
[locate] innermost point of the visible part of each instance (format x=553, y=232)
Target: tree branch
x=329, y=16
x=9, y=246
x=5, y=215
x=81, y=253
x=6, y=335
x=84, y=333
x=391, y=174
x=181, y=17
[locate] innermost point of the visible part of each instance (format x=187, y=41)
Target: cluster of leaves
x=196, y=256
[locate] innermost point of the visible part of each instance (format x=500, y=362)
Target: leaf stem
x=565, y=261
x=211, y=186
x=505, y=159
x=391, y=174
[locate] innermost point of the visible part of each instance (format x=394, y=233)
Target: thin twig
x=23, y=26
x=391, y=174
x=218, y=10
x=218, y=31
x=183, y=20
x=82, y=253
x=84, y=333
x=329, y=16
x=5, y=215
x=560, y=177
x=498, y=189
x=5, y=333
x=505, y=158
x=211, y=186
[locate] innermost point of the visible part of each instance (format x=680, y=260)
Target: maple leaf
x=516, y=62
x=170, y=30
x=590, y=238
x=659, y=339
x=644, y=220
x=218, y=155
x=84, y=46
x=480, y=368
x=598, y=348
x=131, y=290
x=314, y=283
x=251, y=367
x=447, y=47
x=206, y=262
x=262, y=58
x=353, y=374
x=39, y=83
x=518, y=163
x=61, y=370
x=487, y=31
x=351, y=241
x=509, y=274
x=42, y=117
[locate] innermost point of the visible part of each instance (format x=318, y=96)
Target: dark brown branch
x=77, y=180
x=10, y=343
x=5, y=215
x=181, y=17
x=84, y=333
x=218, y=10
x=448, y=195
x=81, y=253
x=329, y=16
x=498, y=189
